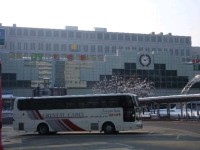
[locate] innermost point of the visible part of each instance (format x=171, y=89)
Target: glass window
x=78, y=35
x=56, y=47
x=127, y=37
x=100, y=49
x=176, y=52
x=113, y=36
x=181, y=40
x=159, y=38
x=99, y=36
x=32, y=32
x=85, y=48
x=71, y=34
x=176, y=40
x=187, y=40
x=56, y=33
x=63, y=47
x=25, y=32
x=187, y=52
x=120, y=37
x=106, y=36
x=19, y=31
x=153, y=38
x=63, y=34
x=165, y=39
x=134, y=37
x=140, y=38
x=107, y=49
x=147, y=38
x=41, y=33
x=171, y=51
x=170, y=40
x=93, y=48
x=48, y=33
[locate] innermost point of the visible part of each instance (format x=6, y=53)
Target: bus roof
x=86, y=95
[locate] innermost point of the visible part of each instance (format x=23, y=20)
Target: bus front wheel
x=109, y=128
x=43, y=129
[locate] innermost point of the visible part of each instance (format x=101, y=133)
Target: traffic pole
x=1, y=145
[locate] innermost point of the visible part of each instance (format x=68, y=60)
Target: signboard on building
x=2, y=36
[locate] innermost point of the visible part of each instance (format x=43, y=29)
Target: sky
x=179, y=17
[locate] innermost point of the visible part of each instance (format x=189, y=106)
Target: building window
x=170, y=40
x=134, y=37
x=127, y=37
x=56, y=47
x=171, y=51
x=71, y=34
x=153, y=38
x=92, y=36
x=63, y=34
x=40, y=33
x=165, y=39
x=176, y=52
x=165, y=50
x=12, y=31
x=176, y=40
x=93, y=50
x=85, y=48
x=25, y=46
x=99, y=36
x=78, y=35
x=159, y=38
x=106, y=51
x=140, y=48
x=19, y=31
x=106, y=36
x=48, y=33
x=40, y=46
x=181, y=40
x=25, y=32
x=19, y=46
x=134, y=48
x=63, y=47
x=114, y=49
x=147, y=38
x=182, y=52
x=187, y=40
x=48, y=46
x=140, y=38
x=32, y=46
x=56, y=33
x=100, y=49
x=187, y=52
x=113, y=36
x=120, y=37
x=32, y=32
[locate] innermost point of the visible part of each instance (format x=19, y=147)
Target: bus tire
x=43, y=129
x=108, y=128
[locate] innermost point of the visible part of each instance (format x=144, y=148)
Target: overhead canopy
x=170, y=99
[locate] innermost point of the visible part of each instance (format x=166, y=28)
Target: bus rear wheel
x=109, y=128
x=43, y=129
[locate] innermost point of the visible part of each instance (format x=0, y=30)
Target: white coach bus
x=109, y=113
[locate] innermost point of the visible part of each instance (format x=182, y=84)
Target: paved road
x=155, y=136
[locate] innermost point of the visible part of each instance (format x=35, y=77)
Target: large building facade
x=75, y=59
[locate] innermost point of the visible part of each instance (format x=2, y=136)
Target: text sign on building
x=2, y=36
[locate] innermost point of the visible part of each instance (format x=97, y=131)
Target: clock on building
x=145, y=60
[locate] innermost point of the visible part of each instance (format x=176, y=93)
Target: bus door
x=128, y=110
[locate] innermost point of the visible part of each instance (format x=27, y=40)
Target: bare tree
x=118, y=84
